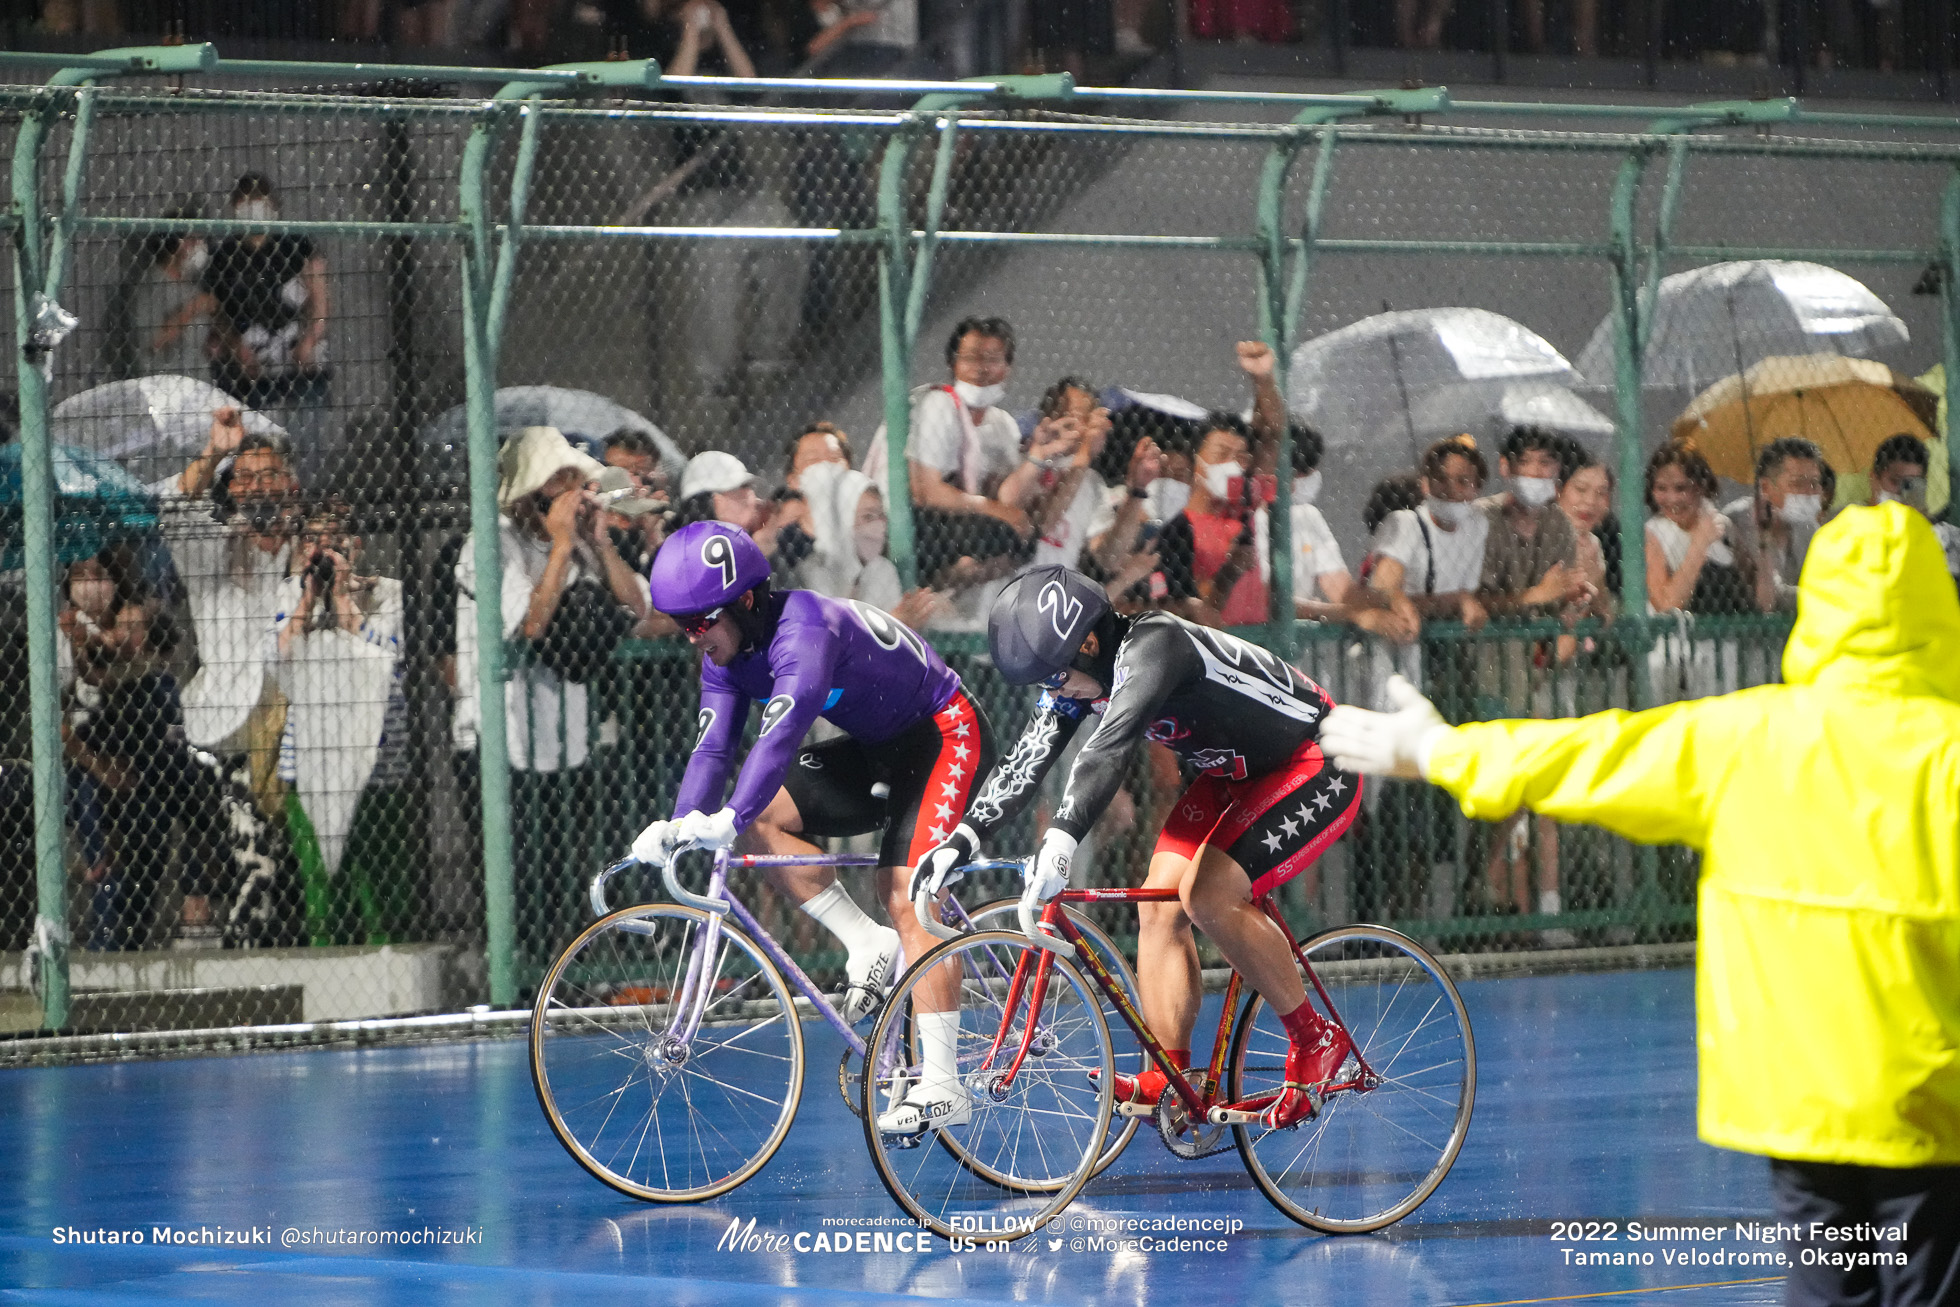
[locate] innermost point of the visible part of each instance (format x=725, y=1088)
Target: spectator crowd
x=235, y=682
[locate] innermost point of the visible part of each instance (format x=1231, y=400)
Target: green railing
x=926, y=214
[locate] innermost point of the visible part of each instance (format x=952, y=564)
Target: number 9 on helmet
x=1040, y=620
x=704, y=565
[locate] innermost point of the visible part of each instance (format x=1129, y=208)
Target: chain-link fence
x=342, y=356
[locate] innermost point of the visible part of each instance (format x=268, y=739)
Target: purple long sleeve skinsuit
x=851, y=664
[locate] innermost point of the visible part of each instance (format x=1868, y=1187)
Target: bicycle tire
x=1370, y=1156
x=1030, y=1146
x=1129, y=1058
x=598, y=1014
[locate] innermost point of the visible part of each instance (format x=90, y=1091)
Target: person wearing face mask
x=1531, y=567
x=1429, y=560
x=1530, y=552
x=1774, y=525
x=1216, y=561
x=970, y=481
x=1899, y=477
x=267, y=296
x=847, y=560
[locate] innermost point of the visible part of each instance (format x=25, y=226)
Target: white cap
x=716, y=471
x=532, y=457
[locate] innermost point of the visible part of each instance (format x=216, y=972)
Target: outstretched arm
x=1641, y=775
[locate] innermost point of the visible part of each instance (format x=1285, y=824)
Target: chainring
x=1185, y=1138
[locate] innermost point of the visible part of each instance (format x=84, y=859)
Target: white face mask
x=1447, y=512
x=978, y=396
x=197, y=259
x=256, y=210
x=1306, y=489
x=1534, y=492
x=869, y=537
x=1801, y=510
x=1165, y=498
x=1218, y=478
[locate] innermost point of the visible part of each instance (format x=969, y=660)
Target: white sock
x=839, y=914
x=1548, y=903
x=939, y=1041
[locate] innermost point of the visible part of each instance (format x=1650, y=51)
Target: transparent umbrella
x=1490, y=415
x=150, y=425
x=1361, y=388
x=585, y=418
x=1713, y=322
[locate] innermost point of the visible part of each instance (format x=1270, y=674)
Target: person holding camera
x=568, y=592
x=343, y=757
x=229, y=522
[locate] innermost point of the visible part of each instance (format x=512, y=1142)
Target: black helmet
x=1040, y=620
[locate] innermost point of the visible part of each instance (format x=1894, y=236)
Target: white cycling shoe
x=869, y=978
x=926, y=1107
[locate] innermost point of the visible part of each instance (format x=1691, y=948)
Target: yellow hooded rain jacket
x=1828, y=811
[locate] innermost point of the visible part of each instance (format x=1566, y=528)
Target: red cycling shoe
x=1307, y=1069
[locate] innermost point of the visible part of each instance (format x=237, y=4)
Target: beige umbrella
x=1845, y=406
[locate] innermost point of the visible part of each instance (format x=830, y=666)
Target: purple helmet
x=704, y=565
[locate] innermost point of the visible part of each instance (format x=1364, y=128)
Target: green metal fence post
x=895, y=349
x=39, y=270
x=1281, y=296
x=905, y=280
x=486, y=297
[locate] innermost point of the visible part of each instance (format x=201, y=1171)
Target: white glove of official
x=941, y=866
x=1385, y=743
x=1047, y=876
x=713, y=832
x=656, y=843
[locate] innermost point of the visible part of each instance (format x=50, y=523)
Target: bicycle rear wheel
x=1031, y=1141
x=1001, y=914
x=1375, y=1150
x=647, y=1107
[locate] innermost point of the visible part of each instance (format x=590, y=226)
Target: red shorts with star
x=914, y=787
x=1274, y=824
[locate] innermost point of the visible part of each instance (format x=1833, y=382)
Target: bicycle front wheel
x=664, y=1090
x=1035, y=1081
x=1383, y=1141
x=1003, y=914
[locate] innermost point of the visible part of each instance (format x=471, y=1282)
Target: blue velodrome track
x=1585, y=1111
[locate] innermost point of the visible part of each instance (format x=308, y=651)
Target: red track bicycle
x=1035, y=1058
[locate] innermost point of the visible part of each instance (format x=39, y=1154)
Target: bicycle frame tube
x=694, y=1006
x=1326, y=999
x=1086, y=958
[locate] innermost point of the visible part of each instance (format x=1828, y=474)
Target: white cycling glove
x=1047, y=876
x=1385, y=743
x=941, y=866
x=656, y=843
x=711, y=831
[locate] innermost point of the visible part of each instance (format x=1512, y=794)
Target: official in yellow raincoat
x=1827, y=810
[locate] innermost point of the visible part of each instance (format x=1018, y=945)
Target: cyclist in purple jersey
x=914, y=741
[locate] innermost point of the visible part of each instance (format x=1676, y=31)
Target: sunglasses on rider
x=1058, y=680
x=693, y=624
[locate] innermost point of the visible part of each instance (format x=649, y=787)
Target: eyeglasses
x=693, y=624
x=1058, y=680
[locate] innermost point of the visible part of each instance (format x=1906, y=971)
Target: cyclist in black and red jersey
x=1263, y=806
